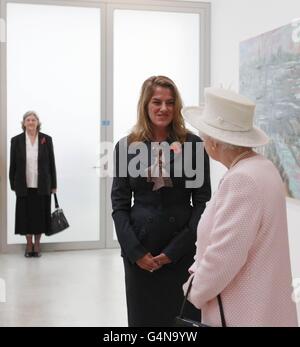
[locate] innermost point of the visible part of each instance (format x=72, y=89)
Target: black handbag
x=58, y=220
x=181, y=321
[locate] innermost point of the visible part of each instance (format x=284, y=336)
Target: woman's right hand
x=148, y=263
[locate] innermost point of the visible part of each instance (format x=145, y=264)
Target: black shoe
x=28, y=254
x=36, y=254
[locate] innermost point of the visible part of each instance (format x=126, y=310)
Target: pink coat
x=243, y=250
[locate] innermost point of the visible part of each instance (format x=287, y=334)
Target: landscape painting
x=270, y=76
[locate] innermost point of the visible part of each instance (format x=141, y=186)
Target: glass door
x=152, y=43
x=54, y=68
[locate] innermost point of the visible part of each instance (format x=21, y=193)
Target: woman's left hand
x=162, y=259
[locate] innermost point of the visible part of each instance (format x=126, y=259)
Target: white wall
x=232, y=22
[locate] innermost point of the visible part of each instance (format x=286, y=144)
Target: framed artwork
x=270, y=76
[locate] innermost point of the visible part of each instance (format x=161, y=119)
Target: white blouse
x=31, y=162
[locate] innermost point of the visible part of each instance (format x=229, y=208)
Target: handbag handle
x=56, y=201
x=219, y=303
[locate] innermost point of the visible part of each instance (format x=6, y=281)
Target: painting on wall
x=270, y=76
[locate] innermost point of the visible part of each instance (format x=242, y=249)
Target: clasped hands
x=150, y=263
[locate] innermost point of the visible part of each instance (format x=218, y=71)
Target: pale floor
x=78, y=288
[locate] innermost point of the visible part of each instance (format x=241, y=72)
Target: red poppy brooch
x=176, y=147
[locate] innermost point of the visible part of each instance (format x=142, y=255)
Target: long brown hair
x=143, y=129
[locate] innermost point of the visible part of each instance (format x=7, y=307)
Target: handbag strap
x=56, y=201
x=219, y=303
x=221, y=311
x=185, y=298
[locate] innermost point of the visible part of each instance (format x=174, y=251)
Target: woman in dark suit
x=32, y=176
x=157, y=233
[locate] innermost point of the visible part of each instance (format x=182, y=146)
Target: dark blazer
x=46, y=165
x=164, y=221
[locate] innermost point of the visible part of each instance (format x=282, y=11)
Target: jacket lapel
x=22, y=146
x=39, y=147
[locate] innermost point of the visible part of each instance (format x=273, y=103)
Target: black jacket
x=46, y=165
x=163, y=221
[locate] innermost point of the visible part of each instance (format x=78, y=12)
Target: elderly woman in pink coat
x=242, y=253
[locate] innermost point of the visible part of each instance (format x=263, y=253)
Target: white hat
x=228, y=117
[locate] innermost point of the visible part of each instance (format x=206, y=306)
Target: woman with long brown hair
x=157, y=232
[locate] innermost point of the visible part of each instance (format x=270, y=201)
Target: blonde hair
x=143, y=129
x=34, y=114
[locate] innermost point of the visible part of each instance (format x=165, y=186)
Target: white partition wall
x=80, y=65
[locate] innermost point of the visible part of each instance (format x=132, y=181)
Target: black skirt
x=33, y=213
x=155, y=299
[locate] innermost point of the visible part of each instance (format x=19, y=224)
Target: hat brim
x=253, y=138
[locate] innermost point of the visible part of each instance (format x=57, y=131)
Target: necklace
x=238, y=158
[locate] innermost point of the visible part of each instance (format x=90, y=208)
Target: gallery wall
x=234, y=21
